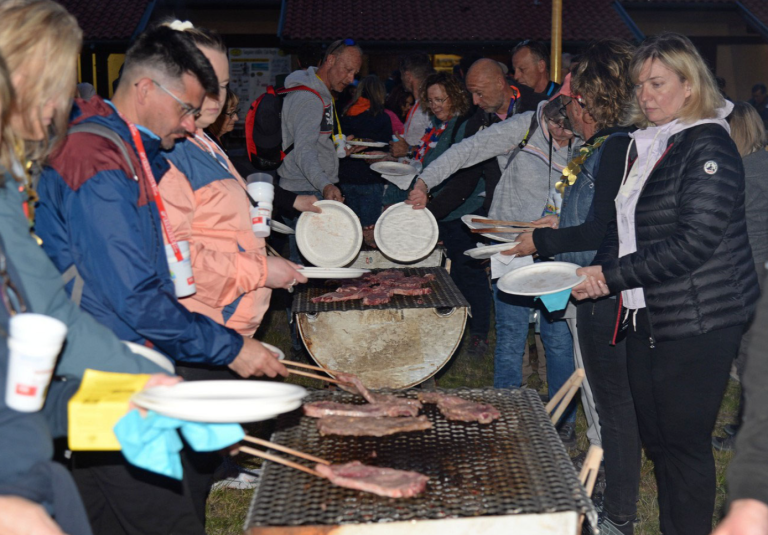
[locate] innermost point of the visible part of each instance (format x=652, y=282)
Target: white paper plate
x=155, y=356
x=332, y=238
x=541, y=279
x=231, y=411
x=356, y=143
x=333, y=273
x=368, y=156
x=393, y=168
x=273, y=349
x=404, y=234
x=487, y=251
x=234, y=389
x=505, y=237
x=277, y=226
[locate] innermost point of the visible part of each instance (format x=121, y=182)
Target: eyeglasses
x=568, y=100
x=187, y=109
x=558, y=124
x=436, y=101
x=231, y=114
x=338, y=44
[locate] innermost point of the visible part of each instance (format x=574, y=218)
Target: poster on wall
x=252, y=70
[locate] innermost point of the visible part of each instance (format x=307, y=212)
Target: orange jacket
x=207, y=204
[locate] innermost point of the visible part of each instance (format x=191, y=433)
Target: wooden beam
x=555, y=66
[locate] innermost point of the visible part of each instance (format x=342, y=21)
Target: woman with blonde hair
x=40, y=41
x=680, y=257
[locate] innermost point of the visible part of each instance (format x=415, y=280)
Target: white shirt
x=415, y=124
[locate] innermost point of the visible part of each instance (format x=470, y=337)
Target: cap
x=565, y=89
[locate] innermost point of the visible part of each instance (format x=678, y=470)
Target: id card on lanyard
x=166, y=221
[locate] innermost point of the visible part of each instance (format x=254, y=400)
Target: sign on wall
x=252, y=70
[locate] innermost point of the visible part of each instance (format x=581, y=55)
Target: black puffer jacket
x=693, y=257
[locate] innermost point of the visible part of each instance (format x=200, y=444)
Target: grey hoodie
x=525, y=182
x=307, y=123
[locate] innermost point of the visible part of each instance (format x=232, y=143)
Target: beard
x=170, y=140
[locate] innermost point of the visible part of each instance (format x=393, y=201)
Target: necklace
x=572, y=170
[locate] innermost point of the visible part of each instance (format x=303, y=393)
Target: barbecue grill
x=394, y=345
x=512, y=474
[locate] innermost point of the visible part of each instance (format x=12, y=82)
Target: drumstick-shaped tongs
x=310, y=375
x=280, y=460
x=521, y=224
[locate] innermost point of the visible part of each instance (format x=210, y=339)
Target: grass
x=227, y=509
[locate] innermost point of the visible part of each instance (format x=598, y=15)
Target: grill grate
x=444, y=294
x=516, y=465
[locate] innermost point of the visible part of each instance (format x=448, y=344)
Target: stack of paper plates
x=222, y=401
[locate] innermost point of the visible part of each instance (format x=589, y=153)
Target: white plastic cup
x=340, y=140
x=263, y=193
x=181, y=272
x=34, y=344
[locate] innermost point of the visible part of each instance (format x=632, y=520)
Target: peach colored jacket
x=207, y=204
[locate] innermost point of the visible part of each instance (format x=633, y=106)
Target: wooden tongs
x=280, y=460
x=311, y=375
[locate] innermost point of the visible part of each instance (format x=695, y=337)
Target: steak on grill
x=378, y=288
x=386, y=482
x=389, y=399
x=370, y=427
x=377, y=297
x=321, y=409
x=459, y=409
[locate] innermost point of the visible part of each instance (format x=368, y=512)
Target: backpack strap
x=520, y=146
x=71, y=272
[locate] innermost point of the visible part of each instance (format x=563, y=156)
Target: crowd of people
x=635, y=168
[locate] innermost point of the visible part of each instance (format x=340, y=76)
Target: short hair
x=338, y=47
x=453, y=88
x=42, y=39
x=538, y=49
x=418, y=64
x=171, y=52
x=372, y=88
x=747, y=128
x=759, y=87
x=201, y=36
x=602, y=80
x=678, y=54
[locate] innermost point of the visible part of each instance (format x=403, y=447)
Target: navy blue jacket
x=93, y=213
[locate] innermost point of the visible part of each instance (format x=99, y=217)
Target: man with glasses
x=531, y=150
x=309, y=124
x=103, y=224
x=530, y=60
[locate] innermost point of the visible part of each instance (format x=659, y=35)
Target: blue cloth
x=512, y=322
x=556, y=301
x=92, y=214
x=153, y=442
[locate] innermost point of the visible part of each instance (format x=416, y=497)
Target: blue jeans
x=365, y=200
x=512, y=323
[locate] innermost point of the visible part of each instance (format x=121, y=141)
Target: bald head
x=489, y=88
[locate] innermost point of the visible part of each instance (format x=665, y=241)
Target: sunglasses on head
x=338, y=44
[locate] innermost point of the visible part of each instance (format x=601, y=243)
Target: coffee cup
x=340, y=140
x=181, y=271
x=34, y=344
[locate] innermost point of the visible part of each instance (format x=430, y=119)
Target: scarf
x=429, y=141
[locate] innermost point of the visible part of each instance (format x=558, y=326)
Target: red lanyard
x=155, y=190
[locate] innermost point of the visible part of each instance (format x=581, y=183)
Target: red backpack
x=263, y=130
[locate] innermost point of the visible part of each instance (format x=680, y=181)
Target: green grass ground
x=227, y=509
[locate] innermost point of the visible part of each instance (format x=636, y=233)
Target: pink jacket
x=207, y=204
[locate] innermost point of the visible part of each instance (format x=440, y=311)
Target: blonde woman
x=681, y=259
x=40, y=42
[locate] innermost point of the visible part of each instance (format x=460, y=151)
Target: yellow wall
x=114, y=62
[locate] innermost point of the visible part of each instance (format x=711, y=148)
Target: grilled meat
x=386, y=482
x=370, y=427
x=459, y=409
x=322, y=409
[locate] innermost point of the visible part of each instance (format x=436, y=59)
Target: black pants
x=468, y=274
x=606, y=369
x=122, y=499
x=678, y=387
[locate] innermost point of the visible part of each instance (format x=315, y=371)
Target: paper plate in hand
x=222, y=401
x=273, y=349
x=505, y=238
x=393, y=168
x=356, y=143
x=333, y=273
x=277, y=226
x=368, y=156
x=153, y=355
x=404, y=234
x=487, y=251
x=332, y=238
x=541, y=278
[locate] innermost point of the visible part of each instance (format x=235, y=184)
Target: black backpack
x=263, y=131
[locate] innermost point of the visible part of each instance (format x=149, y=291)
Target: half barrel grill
x=393, y=345
x=511, y=474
